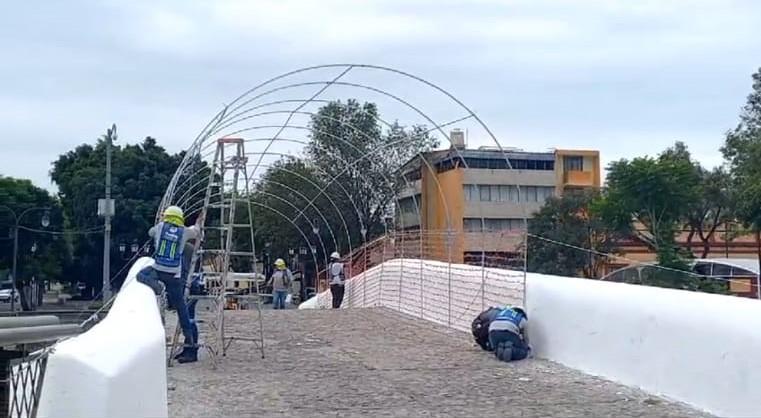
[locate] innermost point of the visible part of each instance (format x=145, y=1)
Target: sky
x=625, y=77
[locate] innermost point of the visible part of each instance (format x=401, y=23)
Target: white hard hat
x=335, y=255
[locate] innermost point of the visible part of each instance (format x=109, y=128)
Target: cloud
x=604, y=74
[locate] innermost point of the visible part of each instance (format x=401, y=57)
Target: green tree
x=573, y=221
x=711, y=209
x=742, y=150
x=351, y=147
x=286, y=189
x=47, y=262
x=656, y=194
x=140, y=175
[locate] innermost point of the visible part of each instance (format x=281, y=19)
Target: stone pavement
x=374, y=362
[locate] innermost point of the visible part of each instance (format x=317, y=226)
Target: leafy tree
x=712, y=208
x=46, y=263
x=572, y=220
x=284, y=191
x=349, y=146
x=140, y=175
x=742, y=150
x=655, y=193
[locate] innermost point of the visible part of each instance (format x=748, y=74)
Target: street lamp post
x=45, y=221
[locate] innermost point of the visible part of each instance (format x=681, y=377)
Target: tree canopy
x=742, y=150
x=140, y=175
x=349, y=173
x=22, y=198
x=562, y=232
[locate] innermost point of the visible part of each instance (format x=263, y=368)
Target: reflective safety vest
x=508, y=320
x=168, y=246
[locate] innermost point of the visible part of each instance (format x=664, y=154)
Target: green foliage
x=656, y=193
x=742, y=150
x=358, y=160
x=51, y=253
x=712, y=208
x=573, y=220
x=284, y=191
x=140, y=175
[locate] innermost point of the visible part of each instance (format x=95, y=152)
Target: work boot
x=506, y=351
x=180, y=354
x=188, y=355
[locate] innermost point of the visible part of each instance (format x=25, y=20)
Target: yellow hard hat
x=174, y=215
x=279, y=263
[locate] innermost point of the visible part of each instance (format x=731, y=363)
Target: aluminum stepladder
x=217, y=250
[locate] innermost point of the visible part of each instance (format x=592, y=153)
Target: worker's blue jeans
x=278, y=299
x=194, y=290
x=175, y=294
x=520, y=348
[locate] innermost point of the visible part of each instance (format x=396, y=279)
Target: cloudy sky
x=625, y=77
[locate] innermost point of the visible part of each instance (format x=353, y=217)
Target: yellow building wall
x=589, y=177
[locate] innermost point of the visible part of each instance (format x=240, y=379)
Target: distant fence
x=448, y=294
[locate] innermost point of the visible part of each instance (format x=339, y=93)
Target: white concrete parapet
x=116, y=369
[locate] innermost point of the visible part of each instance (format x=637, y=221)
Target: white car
x=5, y=295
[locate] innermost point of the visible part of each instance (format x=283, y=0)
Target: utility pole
x=106, y=210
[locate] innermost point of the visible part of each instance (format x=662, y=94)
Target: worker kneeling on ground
x=480, y=327
x=507, y=334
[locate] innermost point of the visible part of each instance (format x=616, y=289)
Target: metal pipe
x=28, y=321
x=27, y=335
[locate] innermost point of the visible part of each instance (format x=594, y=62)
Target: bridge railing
x=24, y=384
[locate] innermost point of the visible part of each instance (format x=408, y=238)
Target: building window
x=491, y=224
x=515, y=164
x=573, y=163
x=506, y=193
x=469, y=191
x=410, y=204
x=484, y=192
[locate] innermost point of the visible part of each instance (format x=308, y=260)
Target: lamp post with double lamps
x=44, y=221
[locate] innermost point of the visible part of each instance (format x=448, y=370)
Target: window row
x=507, y=193
x=491, y=224
x=495, y=164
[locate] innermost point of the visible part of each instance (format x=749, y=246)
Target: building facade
x=471, y=203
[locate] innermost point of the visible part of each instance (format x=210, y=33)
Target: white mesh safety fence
x=447, y=294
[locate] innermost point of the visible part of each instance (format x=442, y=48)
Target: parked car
x=5, y=295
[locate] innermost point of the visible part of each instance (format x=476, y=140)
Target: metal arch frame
x=225, y=113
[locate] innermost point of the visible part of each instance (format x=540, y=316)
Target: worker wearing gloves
x=336, y=279
x=281, y=281
x=170, y=236
x=507, y=334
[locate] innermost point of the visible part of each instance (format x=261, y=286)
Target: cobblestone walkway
x=374, y=362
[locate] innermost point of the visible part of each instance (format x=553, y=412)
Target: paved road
x=373, y=362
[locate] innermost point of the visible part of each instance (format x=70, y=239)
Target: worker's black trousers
x=337, y=291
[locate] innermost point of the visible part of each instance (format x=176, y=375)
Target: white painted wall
x=116, y=369
x=701, y=349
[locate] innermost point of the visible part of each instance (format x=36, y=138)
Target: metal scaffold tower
x=227, y=245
